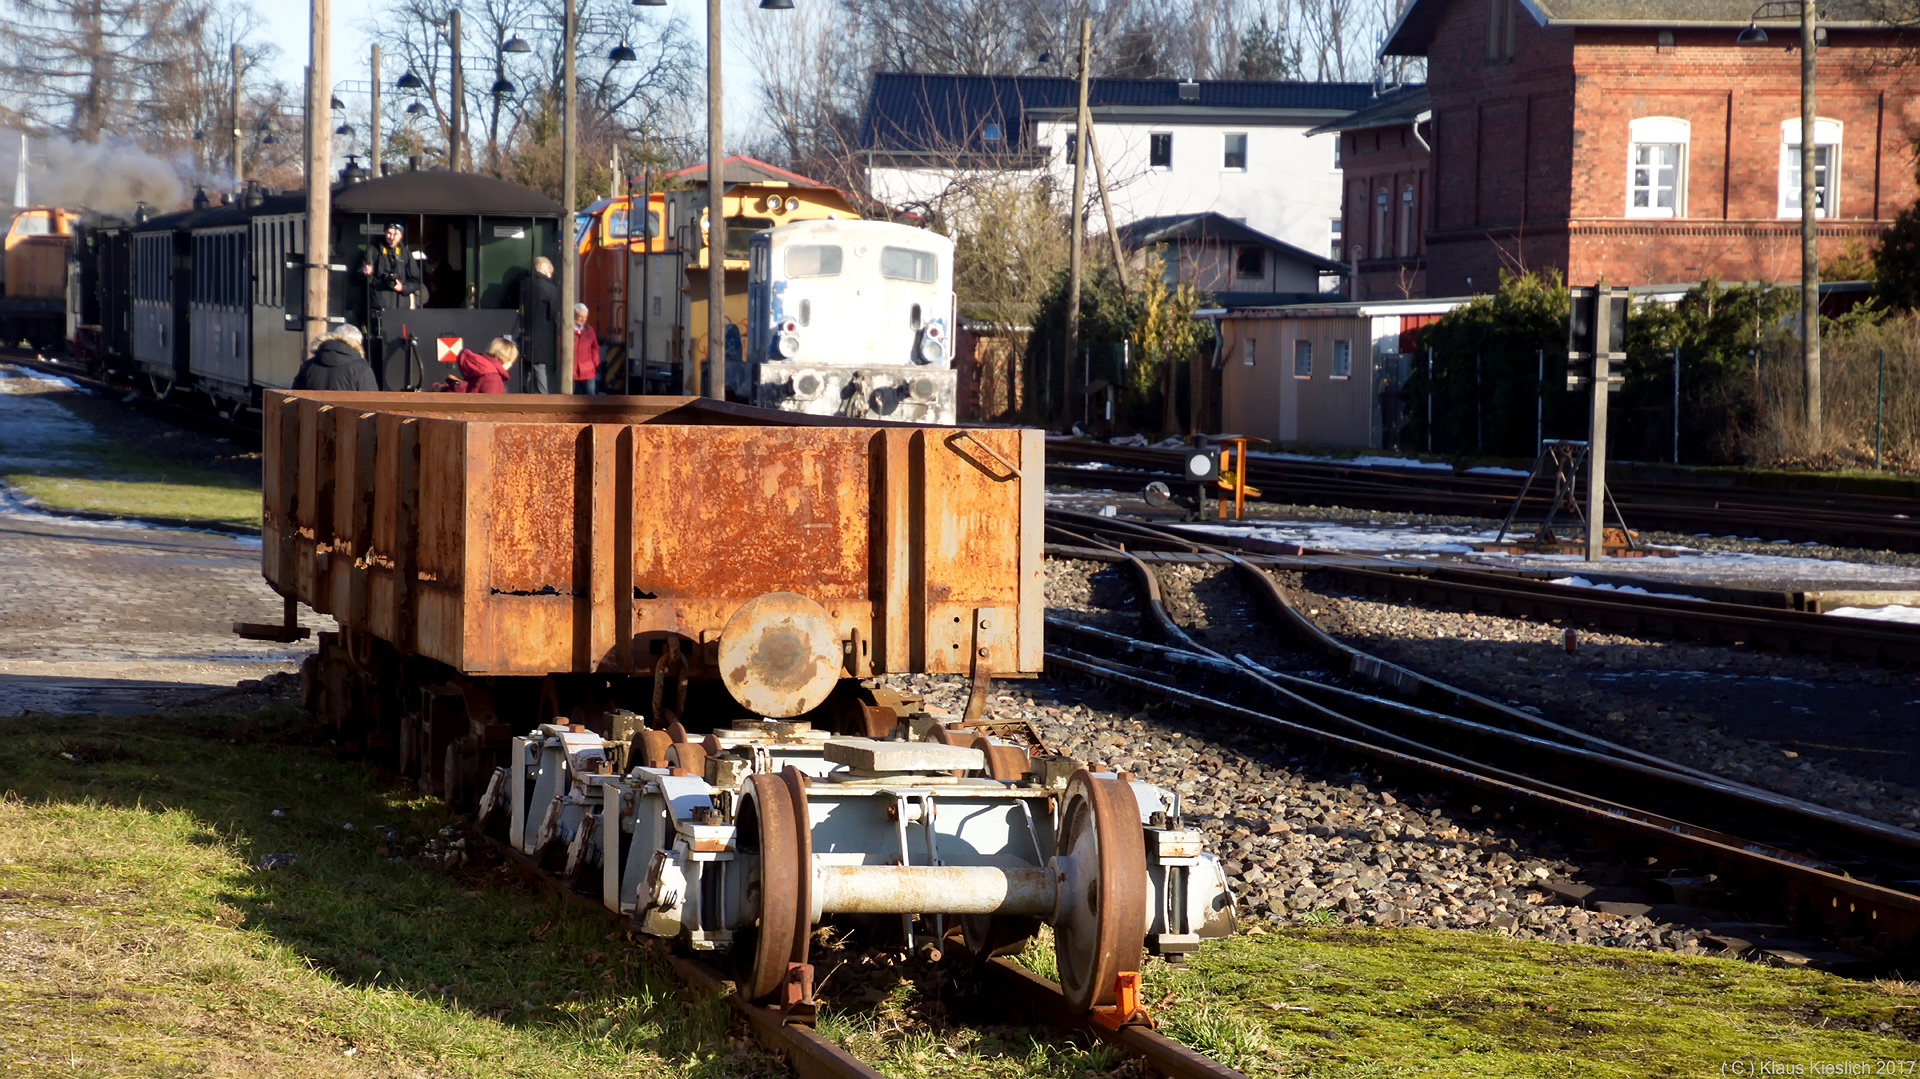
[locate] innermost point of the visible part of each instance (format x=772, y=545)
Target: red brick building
x=1385, y=198
x=1635, y=141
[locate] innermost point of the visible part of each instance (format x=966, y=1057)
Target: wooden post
x=569, y=168
x=238, y=174
x=1809, y=233
x=1077, y=385
x=716, y=367
x=374, y=140
x=319, y=168
x=457, y=106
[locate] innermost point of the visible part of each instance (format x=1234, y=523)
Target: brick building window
x=1380, y=224
x=1342, y=359
x=1657, y=167
x=1339, y=252
x=1406, y=221
x=1302, y=358
x=1500, y=29
x=1160, y=150
x=1235, y=156
x=1826, y=168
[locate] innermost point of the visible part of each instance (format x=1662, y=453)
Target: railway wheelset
x=578, y=619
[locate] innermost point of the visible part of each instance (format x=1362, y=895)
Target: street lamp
x=410, y=81
x=1809, y=165
x=502, y=87
x=621, y=53
x=516, y=44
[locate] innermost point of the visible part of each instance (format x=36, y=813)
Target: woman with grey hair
x=338, y=364
x=586, y=353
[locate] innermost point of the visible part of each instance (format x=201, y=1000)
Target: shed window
x=1250, y=261
x=1246, y=351
x=1342, y=359
x=1302, y=359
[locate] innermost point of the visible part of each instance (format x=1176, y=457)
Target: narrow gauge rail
x=1840, y=520
x=1515, y=595
x=815, y=1057
x=1851, y=880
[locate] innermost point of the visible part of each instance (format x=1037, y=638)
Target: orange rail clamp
x=1126, y=1010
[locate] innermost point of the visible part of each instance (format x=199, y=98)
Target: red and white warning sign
x=447, y=349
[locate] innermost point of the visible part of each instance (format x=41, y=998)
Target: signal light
x=1596, y=329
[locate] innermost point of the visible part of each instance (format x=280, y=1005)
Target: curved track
x=1875, y=522
x=1841, y=877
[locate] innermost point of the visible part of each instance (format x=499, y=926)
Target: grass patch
x=177, y=492
x=137, y=938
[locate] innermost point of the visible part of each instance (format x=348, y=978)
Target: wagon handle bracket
x=954, y=442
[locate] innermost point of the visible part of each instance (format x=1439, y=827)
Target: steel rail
x=814, y=1057
x=1843, y=520
x=1486, y=723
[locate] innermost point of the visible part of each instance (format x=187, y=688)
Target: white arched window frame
x=1826, y=168
x=1657, y=166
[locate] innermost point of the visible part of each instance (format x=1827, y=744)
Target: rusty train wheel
x=796, y=785
x=770, y=832
x=1102, y=856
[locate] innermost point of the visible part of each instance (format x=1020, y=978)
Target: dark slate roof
x=1392, y=110
x=1414, y=31
x=1217, y=228
x=437, y=191
x=914, y=112
x=1241, y=301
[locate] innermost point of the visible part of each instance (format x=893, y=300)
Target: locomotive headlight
x=931, y=350
x=789, y=346
x=792, y=203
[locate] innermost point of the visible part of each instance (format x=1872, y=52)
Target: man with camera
x=392, y=276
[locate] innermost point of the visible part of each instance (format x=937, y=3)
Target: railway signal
x=1596, y=352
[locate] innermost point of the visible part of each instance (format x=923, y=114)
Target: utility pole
x=238, y=178
x=1106, y=208
x=1809, y=234
x=374, y=142
x=716, y=380
x=1076, y=385
x=319, y=168
x=457, y=108
x=569, y=252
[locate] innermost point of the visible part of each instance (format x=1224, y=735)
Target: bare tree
x=88, y=68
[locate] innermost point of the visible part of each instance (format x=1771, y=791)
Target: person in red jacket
x=486, y=372
x=586, y=353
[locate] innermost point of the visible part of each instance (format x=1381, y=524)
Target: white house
x=1169, y=148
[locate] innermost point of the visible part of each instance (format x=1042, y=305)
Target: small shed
x=1225, y=258
x=1328, y=374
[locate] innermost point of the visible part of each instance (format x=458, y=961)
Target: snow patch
x=1909, y=615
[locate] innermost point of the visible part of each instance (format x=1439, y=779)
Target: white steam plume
x=110, y=176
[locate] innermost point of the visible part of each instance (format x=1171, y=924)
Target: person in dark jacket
x=586, y=354
x=486, y=372
x=540, y=325
x=337, y=364
x=391, y=271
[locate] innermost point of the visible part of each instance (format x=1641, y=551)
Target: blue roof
x=915, y=112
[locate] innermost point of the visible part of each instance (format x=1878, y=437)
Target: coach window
x=1657, y=167
x=1826, y=168
x=1302, y=358
x=1234, y=158
x=906, y=264
x=1160, y=150
x=812, y=260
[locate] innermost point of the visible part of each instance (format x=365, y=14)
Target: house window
x=1406, y=221
x=993, y=133
x=1657, y=167
x=1380, y=224
x=1342, y=359
x=1160, y=150
x=1250, y=261
x=1826, y=168
x=1302, y=358
x=1073, y=146
x=1338, y=142
x=1500, y=29
x=1246, y=351
x=1339, y=252
x=1236, y=151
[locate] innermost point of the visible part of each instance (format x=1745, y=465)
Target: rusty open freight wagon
x=469, y=543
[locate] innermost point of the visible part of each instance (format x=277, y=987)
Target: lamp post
x=319, y=165
x=237, y=61
x=1809, y=165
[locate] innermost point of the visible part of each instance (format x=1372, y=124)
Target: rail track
x=813, y=1056
x=1791, y=876
x=1842, y=520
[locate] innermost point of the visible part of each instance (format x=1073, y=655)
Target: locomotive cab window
x=812, y=260
x=906, y=264
x=740, y=232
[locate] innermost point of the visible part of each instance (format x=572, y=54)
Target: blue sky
x=286, y=26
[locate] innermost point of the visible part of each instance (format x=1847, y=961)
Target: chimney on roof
x=1189, y=90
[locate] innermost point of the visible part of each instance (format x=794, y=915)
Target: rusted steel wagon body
x=528, y=536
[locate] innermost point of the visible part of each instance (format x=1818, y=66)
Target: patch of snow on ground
x=1495, y=470
x=34, y=430
x=1582, y=582
x=1909, y=615
x=1346, y=537
x=36, y=375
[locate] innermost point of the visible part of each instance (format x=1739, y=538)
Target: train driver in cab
x=391, y=271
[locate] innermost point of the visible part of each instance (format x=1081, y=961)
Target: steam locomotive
x=208, y=301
